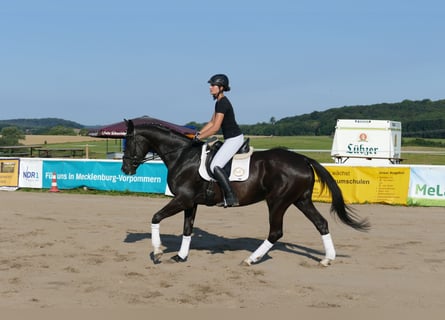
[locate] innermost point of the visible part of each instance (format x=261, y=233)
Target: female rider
x=223, y=118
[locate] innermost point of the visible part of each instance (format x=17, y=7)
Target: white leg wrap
x=155, y=236
x=328, y=246
x=260, y=252
x=185, y=247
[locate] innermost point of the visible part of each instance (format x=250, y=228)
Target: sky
x=97, y=62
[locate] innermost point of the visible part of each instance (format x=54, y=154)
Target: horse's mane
x=164, y=128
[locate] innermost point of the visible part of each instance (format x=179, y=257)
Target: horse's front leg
x=189, y=219
x=172, y=208
x=156, y=243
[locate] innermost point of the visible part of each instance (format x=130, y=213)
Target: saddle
x=237, y=168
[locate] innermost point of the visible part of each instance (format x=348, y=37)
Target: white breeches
x=227, y=151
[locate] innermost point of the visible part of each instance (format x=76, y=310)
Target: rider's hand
x=196, y=140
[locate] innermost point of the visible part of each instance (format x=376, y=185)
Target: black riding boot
x=230, y=199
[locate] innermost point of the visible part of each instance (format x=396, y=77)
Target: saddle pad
x=239, y=170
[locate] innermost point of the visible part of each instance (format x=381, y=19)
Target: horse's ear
x=130, y=126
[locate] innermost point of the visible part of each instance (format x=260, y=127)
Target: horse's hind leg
x=276, y=214
x=309, y=210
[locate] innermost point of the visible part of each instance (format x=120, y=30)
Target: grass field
x=317, y=147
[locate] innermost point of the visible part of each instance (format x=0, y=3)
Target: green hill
x=39, y=126
x=425, y=119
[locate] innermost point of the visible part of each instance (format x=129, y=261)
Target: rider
x=223, y=118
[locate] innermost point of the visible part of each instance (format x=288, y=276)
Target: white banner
x=427, y=185
x=30, y=175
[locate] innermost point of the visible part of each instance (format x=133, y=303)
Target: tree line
x=43, y=126
x=423, y=119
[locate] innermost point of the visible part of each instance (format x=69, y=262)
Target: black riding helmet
x=220, y=80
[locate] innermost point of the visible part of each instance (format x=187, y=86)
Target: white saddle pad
x=240, y=166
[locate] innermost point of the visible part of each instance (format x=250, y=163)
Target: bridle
x=137, y=161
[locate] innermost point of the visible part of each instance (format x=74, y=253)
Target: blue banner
x=105, y=175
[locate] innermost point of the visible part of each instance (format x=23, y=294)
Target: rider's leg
x=230, y=199
x=224, y=154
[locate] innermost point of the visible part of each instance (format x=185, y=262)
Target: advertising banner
x=9, y=173
x=427, y=186
x=105, y=175
x=30, y=173
x=398, y=185
x=368, y=184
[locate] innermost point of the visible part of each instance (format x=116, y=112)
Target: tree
x=61, y=131
x=10, y=136
x=272, y=120
x=83, y=132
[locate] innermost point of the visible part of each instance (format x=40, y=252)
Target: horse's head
x=135, y=151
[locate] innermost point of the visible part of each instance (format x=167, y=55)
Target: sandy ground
x=63, y=250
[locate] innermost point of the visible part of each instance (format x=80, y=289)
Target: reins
x=135, y=162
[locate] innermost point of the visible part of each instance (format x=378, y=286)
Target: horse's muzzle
x=128, y=170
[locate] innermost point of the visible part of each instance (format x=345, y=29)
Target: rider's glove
x=196, y=139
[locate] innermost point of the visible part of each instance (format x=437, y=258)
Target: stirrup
x=225, y=204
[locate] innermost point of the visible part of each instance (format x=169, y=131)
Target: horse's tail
x=338, y=206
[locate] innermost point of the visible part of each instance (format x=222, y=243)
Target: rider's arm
x=212, y=126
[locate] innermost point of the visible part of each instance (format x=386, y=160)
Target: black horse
x=279, y=176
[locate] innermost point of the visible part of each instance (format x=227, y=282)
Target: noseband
x=135, y=162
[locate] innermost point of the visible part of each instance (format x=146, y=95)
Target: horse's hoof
x=156, y=257
x=177, y=258
x=325, y=262
x=246, y=263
